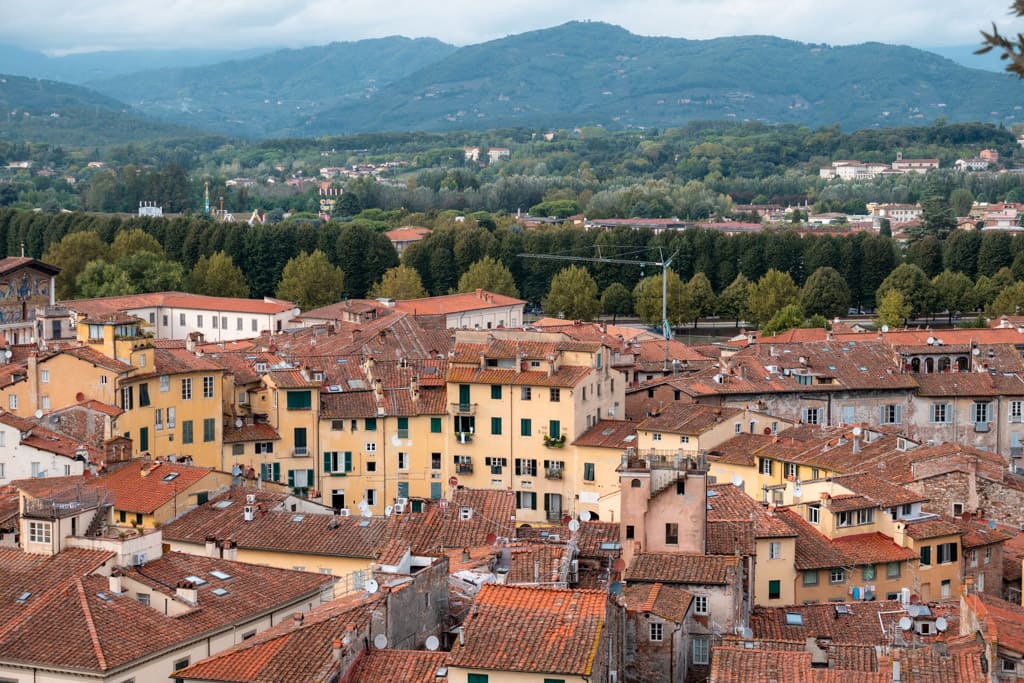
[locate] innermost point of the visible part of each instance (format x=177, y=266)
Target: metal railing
x=464, y=408
x=67, y=503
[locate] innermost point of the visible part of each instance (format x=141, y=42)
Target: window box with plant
x=554, y=441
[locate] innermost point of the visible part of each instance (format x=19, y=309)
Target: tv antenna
x=662, y=262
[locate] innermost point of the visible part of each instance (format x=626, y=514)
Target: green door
x=464, y=394
x=144, y=439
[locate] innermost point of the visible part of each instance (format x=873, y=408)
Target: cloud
x=63, y=25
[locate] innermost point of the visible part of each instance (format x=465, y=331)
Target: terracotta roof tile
x=514, y=628
x=455, y=303
x=932, y=527
x=399, y=666
x=617, y=434
x=679, y=568
x=162, y=482
x=257, y=431
x=688, y=418
x=668, y=602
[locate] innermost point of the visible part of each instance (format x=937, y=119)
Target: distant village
x=445, y=489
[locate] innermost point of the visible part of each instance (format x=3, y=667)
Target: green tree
x=310, y=281
x=953, y=292
x=983, y=293
x=217, y=275
x=400, y=282
x=1012, y=48
x=994, y=252
x=825, y=293
x=786, y=318
x=616, y=300
x=961, y=201
x=71, y=255
x=128, y=242
x=732, y=302
x=647, y=300
x=100, y=278
x=936, y=217
x=573, y=295
x=926, y=253
x=702, y=295
x=915, y=287
x=149, y=272
x=363, y=254
x=768, y=295
x=892, y=309
x=490, y=275
x=1009, y=301
x=960, y=252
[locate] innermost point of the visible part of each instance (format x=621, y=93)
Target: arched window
x=636, y=483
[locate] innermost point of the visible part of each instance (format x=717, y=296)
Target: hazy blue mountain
x=90, y=66
x=964, y=55
x=70, y=115
x=277, y=93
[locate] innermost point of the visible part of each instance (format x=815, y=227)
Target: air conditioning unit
x=139, y=558
x=399, y=509
x=250, y=513
x=344, y=512
x=250, y=499
x=611, y=412
x=402, y=501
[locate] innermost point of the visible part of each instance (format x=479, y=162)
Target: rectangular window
x=476, y=678
x=525, y=427
x=774, y=550
x=171, y=419
x=554, y=429
x=39, y=532
x=774, y=589
x=892, y=414
x=671, y=533
x=186, y=389
x=811, y=416
x=209, y=429
x=946, y=589
x=403, y=460
x=371, y=496
x=792, y=470
x=165, y=383
x=926, y=556
x=199, y=320
x=657, y=631
x=181, y=319
x=264, y=447
x=526, y=500
x=939, y=413
x=982, y=411
x=126, y=398
x=701, y=650
x=892, y=570
x=837, y=575
x=143, y=395
x=866, y=516
x=435, y=461
x=270, y=471
x=435, y=425
x=12, y=401
x=700, y=604
x=814, y=513
x=255, y=325
x=299, y=400
x=526, y=467
x=238, y=449
x=526, y=393
x=496, y=391
x=186, y=431
x=158, y=419
x=945, y=553
x=496, y=425
x=370, y=424
x=588, y=471
x=238, y=324
x=207, y=386
x=215, y=321
x=44, y=376
x=766, y=466
x=811, y=577
x=556, y=394
x=988, y=555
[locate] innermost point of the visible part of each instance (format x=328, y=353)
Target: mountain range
x=576, y=74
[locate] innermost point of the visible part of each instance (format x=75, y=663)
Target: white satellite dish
x=746, y=632
x=363, y=505
x=906, y=623
x=238, y=423
x=885, y=328
x=797, y=492
x=372, y=586
x=857, y=431
x=395, y=441
x=585, y=516
x=388, y=510
x=737, y=481
x=367, y=513
x=941, y=624
x=380, y=641
x=432, y=643
x=8, y=354
x=574, y=526
x=38, y=414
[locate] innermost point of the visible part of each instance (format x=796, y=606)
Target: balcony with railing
x=464, y=437
x=300, y=452
x=554, y=473
x=464, y=409
x=66, y=503
x=464, y=468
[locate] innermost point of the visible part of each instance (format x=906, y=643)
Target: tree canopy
x=311, y=281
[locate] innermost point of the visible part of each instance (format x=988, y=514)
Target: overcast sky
x=85, y=25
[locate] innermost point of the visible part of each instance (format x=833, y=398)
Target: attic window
x=608, y=432
x=195, y=580
x=170, y=476
x=104, y=597
x=220, y=592
x=843, y=609
x=794, y=619
x=611, y=545
x=298, y=518
x=23, y=597
x=465, y=513
x=221, y=504
x=364, y=523
x=261, y=367
x=220, y=575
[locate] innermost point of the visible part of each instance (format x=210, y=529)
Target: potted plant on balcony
x=554, y=441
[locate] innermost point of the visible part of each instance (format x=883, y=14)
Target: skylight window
x=610, y=545
x=794, y=619
x=220, y=575
x=104, y=597
x=298, y=518
x=171, y=476
x=23, y=597
x=220, y=592
x=221, y=504
x=365, y=523
x=196, y=581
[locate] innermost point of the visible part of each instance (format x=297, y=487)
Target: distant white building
x=150, y=209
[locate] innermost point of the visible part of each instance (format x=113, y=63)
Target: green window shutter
x=495, y=425
x=144, y=439
x=476, y=678
x=291, y=477
x=300, y=400
x=533, y=502
x=265, y=472
x=300, y=437
x=464, y=393
x=496, y=391
x=371, y=424
x=277, y=471
x=554, y=429
x=327, y=462
x=186, y=431
x=348, y=461
x=311, y=478
x=209, y=429
x=588, y=471
x=525, y=427
x=435, y=425
x=202, y=497
x=403, y=423
x=143, y=395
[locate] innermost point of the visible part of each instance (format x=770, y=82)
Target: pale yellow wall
x=338, y=566
x=69, y=376
x=780, y=569
x=459, y=675
x=605, y=485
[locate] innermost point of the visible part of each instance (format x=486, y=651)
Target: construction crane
x=662, y=262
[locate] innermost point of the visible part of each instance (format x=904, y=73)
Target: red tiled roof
x=1002, y=621
x=933, y=527
x=134, y=492
x=407, y=233
x=14, y=262
x=565, y=376
x=857, y=624
x=688, y=418
x=455, y=303
x=258, y=431
x=617, y=434
x=111, y=304
x=675, y=568
x=514, y=628
x=398, y=666
x=668, y=602
x=738, y=664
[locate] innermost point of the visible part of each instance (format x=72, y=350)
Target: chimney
x=897, y=668
x=414, y=388
x=211, y=547
x=378, y=388
x=479, y=293
x=297, y=619
x=336, y=649
x=115, y=581
x=229, y=549
x=483, y=361
x=187, y=592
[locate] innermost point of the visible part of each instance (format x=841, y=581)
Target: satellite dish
x=737, y=481
x=363, y=505
x=615, y=588
x=367, y=513
x=38, y=414
x=941, y=624
x=8, y=354
x=992, y=524
x=619, y=564
x=388, y=510
x=585, y=516
x=931, y=340
x=79, y=397
x=857, y=431
x=372, y=586
x=906, y=623
x=798, y=491
x=885, y=328
x=238, y=423
x=380, y=641
x=746, y=632
x=976, y=351
x=395, y=441
x=432, y=643
x=574, y=526
x=491, y=539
